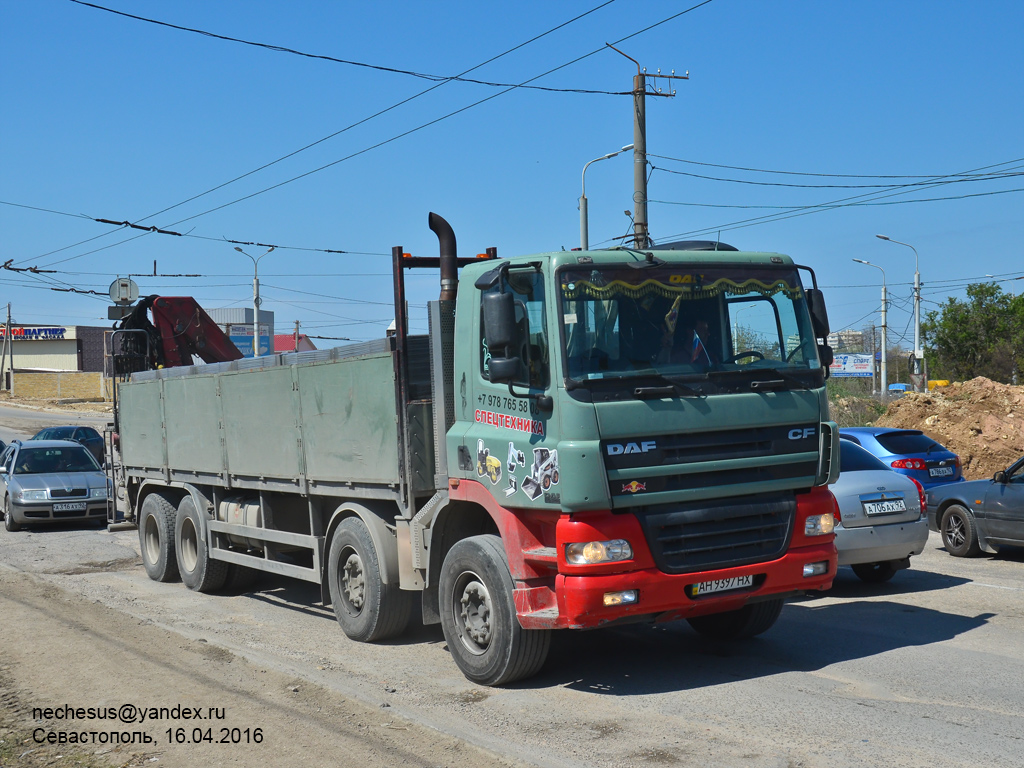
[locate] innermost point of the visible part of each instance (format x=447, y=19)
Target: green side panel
x=348, y=420
x=142, y=438
x=193, y=424
x=261, y=423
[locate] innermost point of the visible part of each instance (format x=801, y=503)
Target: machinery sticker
x=634, y=487
x=515, y=457
x=487, y=465
x=543, y=472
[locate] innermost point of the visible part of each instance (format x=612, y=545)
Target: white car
x=883, y=522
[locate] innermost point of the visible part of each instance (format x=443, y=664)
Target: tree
x=983, y=336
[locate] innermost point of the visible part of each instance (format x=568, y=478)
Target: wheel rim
x=189, y=545
x=152, y=540
x=353, y=583
x=955, y=531
x=473, y=612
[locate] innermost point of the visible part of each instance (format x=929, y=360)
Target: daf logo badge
x=615, y=449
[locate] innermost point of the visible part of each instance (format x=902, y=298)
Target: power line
x=851, y=205
x=436, y=120
x=377, y=67
x=958, y=179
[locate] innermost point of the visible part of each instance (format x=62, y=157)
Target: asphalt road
x=922, y=671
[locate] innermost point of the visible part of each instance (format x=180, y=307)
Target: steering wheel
x=746, y=353
x=791, y=355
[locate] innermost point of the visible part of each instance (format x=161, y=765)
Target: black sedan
x=980, y=514
x=87, y=436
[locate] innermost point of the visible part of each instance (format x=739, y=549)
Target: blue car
x=910, y=452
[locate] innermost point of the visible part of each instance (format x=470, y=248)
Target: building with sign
x=236, y=322
x=55, y=348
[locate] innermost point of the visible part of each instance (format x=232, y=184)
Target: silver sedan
x=882, y=524
x=50, y=481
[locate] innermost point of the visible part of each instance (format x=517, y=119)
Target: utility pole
x=256, y=300
x=3, y=354
x=641, y=230
x=296, y=335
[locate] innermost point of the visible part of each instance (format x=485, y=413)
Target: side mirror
x=819, y=314
x=1000, y=477
x=500, y=333
x=825, y=355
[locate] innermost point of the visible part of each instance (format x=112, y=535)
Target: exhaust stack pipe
x=449, y=265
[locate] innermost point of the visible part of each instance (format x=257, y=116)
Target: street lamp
x=584, y=223
x=256, y=300
x=885, y=383
x=918, y=355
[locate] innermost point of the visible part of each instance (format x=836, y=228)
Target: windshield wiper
x=676, y=386
x=761, y=384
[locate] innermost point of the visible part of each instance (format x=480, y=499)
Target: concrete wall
x=61, y=384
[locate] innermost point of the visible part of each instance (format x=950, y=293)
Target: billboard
x=241, y=336
x=852, y=365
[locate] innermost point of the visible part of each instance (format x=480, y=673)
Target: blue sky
x=115, y=118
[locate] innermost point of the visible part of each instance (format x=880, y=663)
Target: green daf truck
x=583, y=439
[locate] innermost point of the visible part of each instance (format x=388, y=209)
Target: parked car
x=980, y=514
x=910, y=452
x=881, y=512
x=50, y=481
x=87, y=436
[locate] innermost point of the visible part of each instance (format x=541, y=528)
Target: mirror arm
x=544, y=402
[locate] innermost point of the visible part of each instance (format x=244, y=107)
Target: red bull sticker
x=634, y=487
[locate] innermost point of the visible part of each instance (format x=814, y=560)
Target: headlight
x=31, y=495
x=593, y=552
x=98, y=493
x=819, y=525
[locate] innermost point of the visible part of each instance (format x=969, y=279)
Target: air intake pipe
x=449, y=254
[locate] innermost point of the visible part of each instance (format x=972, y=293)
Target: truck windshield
x=685, y=320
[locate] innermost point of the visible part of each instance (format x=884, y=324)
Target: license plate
x=69, y=506
x=940, y=472
x=884, y=507
x=722, y=585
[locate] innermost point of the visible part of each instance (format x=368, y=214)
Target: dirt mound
x=980, y=420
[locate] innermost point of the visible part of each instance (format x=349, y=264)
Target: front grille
x=726, y=533
x=67, y=513
x=68, y=493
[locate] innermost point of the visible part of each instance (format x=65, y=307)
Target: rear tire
x=156, y=538
x=366, y=608
x=198, y=570
x=478, y=615
x=748, y=621
x=959, y=532
x=874, y=573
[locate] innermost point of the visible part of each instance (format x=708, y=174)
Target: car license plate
x=884, y=507
x=721, y=585
x=69, y=506
x=940, y=472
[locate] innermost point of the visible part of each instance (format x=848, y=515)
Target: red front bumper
x=663, y=596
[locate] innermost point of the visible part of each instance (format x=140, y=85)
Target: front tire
x=478, y=615
x=959, y=532
x=156, y=538
x=10, y=524
x=874, y=573
x=366, y=608
x=198, y=570
x=748, y=621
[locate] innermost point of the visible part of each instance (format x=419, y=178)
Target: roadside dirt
x=52, y=404
x=120, y=660
x=980, y=420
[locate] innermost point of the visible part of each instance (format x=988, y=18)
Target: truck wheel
x=366, y=608
x=874, y=573
x=156, y=538
x=198, y=570
x=959, y=533
x=478, y=615
x=745, y=622
x=9, y=522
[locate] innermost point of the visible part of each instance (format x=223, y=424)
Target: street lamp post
x=584, y=223
x=918, y=355
x=885, y=346
x=256, y=300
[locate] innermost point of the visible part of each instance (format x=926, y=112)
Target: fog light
x=621, y=598
x=815, y=569
x=819, y=525
x=592, y=552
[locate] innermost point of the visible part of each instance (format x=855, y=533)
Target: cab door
x=1004, y=506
